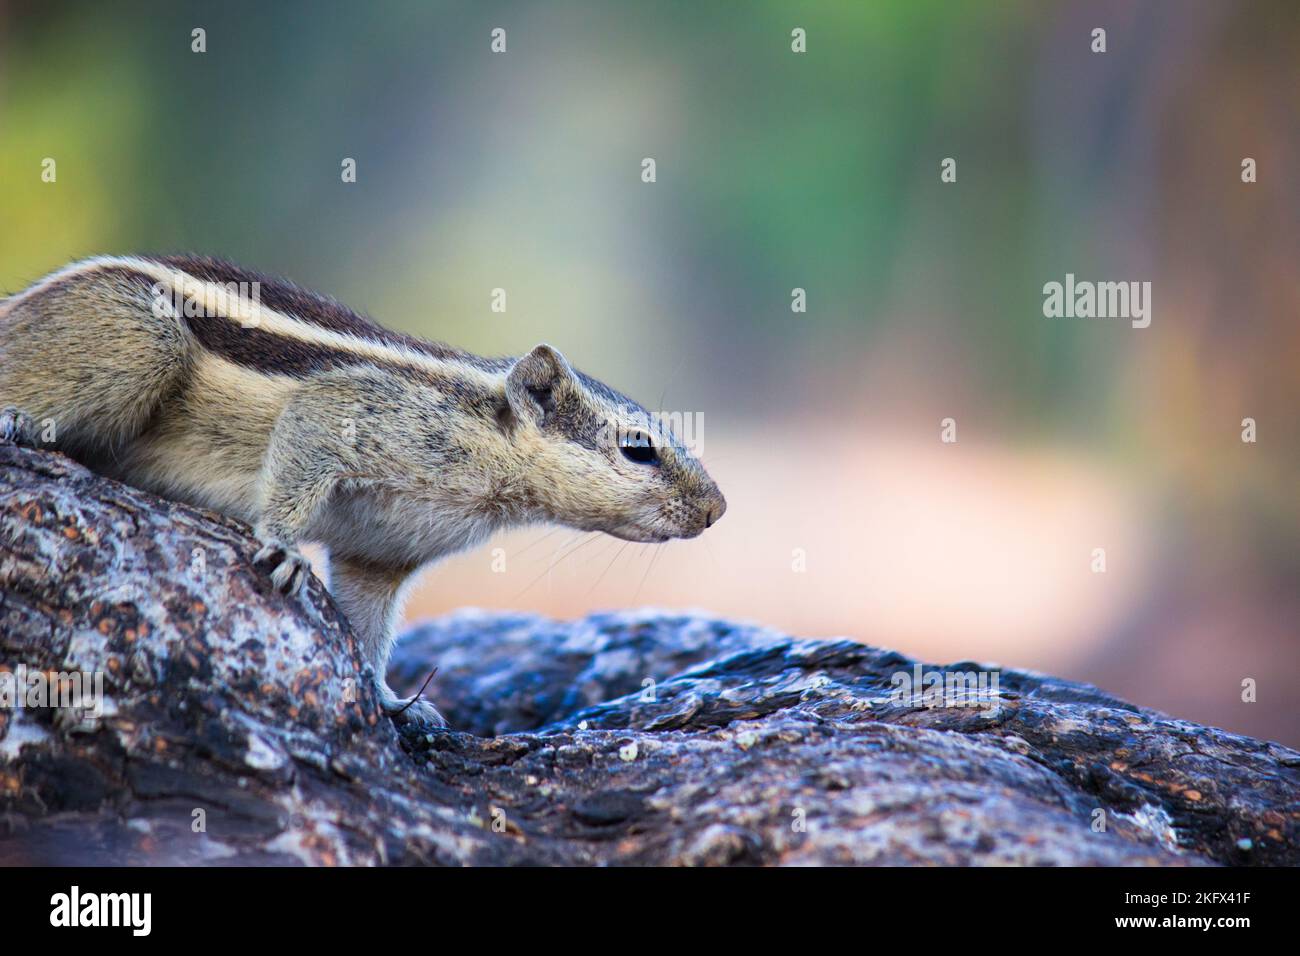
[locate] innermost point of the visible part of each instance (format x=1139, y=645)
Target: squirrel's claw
x=18, y=428
x=291, y=566
x=412, y=711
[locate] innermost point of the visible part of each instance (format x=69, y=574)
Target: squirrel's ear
x=534, y=382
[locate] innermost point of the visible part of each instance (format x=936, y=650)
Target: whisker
x=573, y=546
x=617, y=555
x=610, y=541
x=668, y=381
x=653, y=558
x=531, y=544
x=591, y=536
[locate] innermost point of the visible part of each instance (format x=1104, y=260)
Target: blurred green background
x=778, y=170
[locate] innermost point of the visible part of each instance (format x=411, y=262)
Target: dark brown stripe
x=251, y=347
x=264, y=351
x=323, y=312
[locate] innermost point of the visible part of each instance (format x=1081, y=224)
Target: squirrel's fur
x=312, y=423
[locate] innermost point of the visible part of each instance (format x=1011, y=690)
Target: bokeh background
x=776, y=171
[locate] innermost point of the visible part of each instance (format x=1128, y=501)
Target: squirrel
x=310, y=422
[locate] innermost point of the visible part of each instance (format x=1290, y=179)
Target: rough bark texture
x=231, y=706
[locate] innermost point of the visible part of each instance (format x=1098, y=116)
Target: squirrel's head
x=597, y=461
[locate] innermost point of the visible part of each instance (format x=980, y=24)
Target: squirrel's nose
x=716, y=511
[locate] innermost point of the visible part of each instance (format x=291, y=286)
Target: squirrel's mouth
x=671, y=522
x=640, y=535
x=661, y=528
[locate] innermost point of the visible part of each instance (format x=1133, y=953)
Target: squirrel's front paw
x=291, y=567
x=18, y=428
x=411, y=711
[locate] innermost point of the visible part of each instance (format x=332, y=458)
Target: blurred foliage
x=775, y=170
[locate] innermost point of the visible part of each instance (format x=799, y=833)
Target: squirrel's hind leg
x=370, y=596
x=86, y=357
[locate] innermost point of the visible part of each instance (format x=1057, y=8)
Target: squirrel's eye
x=637, y=447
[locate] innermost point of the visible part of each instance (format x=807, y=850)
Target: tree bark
x=239, y=726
